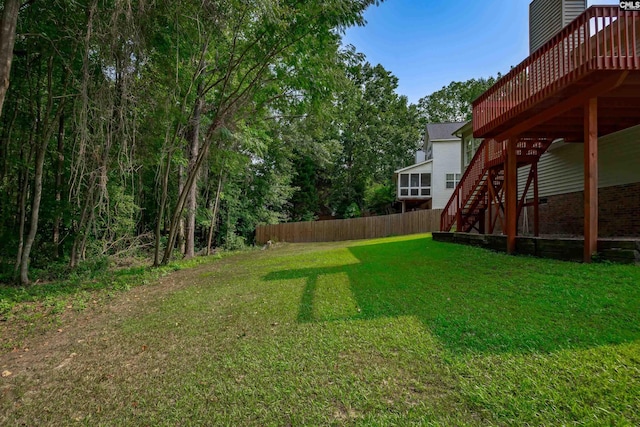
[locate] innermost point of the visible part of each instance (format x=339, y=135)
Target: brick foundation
x=623, y=251
x=618, y=213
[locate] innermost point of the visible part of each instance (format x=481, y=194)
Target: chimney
x=548, y=17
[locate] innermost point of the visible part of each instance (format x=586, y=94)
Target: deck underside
x=561, y=115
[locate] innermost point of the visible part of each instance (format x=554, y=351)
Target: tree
x=452, y=103
x=305, y=201
x=379, y=198
x=379, y=133
x=48, y=82
x=131, y=117
x=259, y=63
x=8, y=24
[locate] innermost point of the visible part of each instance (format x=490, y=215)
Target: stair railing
x=490, y=154
x=487, y=154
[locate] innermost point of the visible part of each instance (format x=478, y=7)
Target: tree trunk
x=95, y=194
x=182, y=195
x=181, y=225
x=4, y=147
x=84, y=140
x=24, y=194
x=193, y=190
x=82, y=229
x=214, y=215
x=35, y=213
x=161, y=208
x=187, y=188
x=44, y=135
x=7, y=41
x=59, y=170
x=22, y=203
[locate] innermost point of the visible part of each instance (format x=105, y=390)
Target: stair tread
x=473, y=203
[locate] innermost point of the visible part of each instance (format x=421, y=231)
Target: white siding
x=462, y=150
x=560, y=170
x=425, y=167
x=446, y=159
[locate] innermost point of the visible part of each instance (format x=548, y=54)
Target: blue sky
x=429, y=43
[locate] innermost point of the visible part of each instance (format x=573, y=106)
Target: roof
x=412, y=166
x=442, y=131
x=466, y=128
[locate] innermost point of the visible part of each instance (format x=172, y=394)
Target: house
x=429, y=182
x=557, y=139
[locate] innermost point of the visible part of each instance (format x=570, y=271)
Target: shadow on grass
x=475, y=300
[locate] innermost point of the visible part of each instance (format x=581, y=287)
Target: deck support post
x=491, y=199
x=590, y=179
x=511, y=196
x=536, y=202
x=488, y=215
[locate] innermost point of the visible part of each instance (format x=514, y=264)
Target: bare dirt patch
x=51, y=345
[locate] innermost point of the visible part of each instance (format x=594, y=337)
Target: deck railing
x=601, y=38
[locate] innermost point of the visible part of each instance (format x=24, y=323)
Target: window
x=452, y=180
x=425, y=179
x=468, y=151
x=470, y=147
x=415, y=184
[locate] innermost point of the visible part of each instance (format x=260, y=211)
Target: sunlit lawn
x=399, y=331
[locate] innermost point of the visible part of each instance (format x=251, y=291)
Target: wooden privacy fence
x=424, y=221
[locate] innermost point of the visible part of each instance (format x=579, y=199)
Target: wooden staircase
x=482, y=183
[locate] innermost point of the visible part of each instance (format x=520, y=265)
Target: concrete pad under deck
x=619, y=250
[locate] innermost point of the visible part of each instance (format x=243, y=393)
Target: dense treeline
x=452, y=103
x=142, y=126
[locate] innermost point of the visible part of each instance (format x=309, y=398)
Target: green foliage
x=305, y=200
x=379, y=131
x=91, y=283
x=352, y=211
x=115, y=94
x=233, y=242
x=120, y=217
x=379, y=198
x=452, y=103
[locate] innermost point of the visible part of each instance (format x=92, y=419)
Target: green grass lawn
x=398, y=331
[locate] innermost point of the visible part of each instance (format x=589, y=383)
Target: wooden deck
x=597, y=55
x=582, y=84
